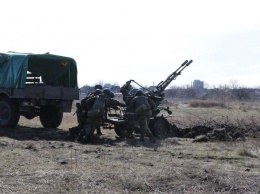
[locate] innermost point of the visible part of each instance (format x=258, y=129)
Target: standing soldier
x=143, y=107
x=125, y=89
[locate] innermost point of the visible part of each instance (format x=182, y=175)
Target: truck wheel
x=123, y=131
x=160, y=127
x=9, y=113
x=51, y=117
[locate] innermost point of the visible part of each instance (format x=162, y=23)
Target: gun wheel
x=123, y=131
x=160, y=127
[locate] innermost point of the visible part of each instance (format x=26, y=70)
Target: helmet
x=111, y=95
x=139, y=93
x=97, y=92
x=98, y=87
x=108, y=92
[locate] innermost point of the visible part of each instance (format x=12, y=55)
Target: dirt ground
x=44, y=160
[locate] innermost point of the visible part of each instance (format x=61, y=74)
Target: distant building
x=152, y=88
x=115, y=89
x=107, y=85
x=198, y=85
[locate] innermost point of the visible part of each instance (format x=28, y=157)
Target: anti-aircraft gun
x=157, y=95
x=159, y=125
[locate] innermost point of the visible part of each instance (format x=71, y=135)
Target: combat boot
x=142, y=137
x=80, y=136
x=152, y=139
x=88, y=139
x=99, y=131
x=73, y=133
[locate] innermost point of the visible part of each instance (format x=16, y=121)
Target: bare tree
x=233, y=84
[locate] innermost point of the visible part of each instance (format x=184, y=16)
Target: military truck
x=32, y=85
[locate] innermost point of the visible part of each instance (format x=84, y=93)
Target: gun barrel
x=189, y=62
x=163, y=84
x=184, y=66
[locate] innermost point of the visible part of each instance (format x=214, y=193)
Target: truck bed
x=44, y=92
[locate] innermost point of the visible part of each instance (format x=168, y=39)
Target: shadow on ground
x=21, y=133
x=27, y=133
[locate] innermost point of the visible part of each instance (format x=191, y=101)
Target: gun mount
x=159, y=125
x=157, y=95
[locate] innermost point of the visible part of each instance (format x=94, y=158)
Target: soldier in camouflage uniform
x=143, y=107
x=81, y=113
x=98, y=111
x=81, y=118
x=125, y=92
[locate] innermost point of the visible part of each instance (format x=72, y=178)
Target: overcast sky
x=114, y=41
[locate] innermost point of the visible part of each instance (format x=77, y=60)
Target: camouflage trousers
x=91, y=125
x=144, y=129
x=75, y=131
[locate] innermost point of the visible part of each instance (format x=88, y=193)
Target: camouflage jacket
x=102, y=101
x=138, y=101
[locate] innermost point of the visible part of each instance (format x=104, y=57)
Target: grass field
x=44, y=160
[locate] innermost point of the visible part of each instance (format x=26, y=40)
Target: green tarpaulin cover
x=54, y=70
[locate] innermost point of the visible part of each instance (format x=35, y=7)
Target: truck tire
x=160, y=127
x=58, y=119
x=9, y=113
x=123, y=131
x=51, y=118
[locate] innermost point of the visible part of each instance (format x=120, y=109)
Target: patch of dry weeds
x=38, y=160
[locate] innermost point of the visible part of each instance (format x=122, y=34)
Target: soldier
x=125, y=92
x=81, y=118
x=143, y=107
x=81, y=113
x=98, y=129
x=98, y=111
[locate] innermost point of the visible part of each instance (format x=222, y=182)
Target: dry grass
x=233, y=114
x=38, y=160
x=206, y=104
x=174, y=166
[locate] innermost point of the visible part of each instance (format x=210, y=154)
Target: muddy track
x=216, y=133
x=198, y=133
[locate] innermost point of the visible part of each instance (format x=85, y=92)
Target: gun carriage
x=125, y=122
